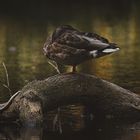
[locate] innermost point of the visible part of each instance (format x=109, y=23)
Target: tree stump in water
x=38, y=97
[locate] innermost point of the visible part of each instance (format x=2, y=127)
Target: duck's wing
x=96, y=36
x=80, y=40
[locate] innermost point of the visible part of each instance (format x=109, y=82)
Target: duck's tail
x=102, y=52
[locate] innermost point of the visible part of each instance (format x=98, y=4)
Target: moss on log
x=38, y=97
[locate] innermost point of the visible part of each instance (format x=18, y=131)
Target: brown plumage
x=68, y=46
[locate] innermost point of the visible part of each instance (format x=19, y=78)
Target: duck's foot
x=74, y=69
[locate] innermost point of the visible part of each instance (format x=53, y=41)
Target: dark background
x=42, y=8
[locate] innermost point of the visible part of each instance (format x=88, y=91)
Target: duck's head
x=60, y=30
x=66, y=27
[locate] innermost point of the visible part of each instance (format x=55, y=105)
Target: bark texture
x=38, y=97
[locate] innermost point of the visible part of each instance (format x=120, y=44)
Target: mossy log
x=38, y=97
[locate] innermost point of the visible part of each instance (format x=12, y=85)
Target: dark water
x=22, y=35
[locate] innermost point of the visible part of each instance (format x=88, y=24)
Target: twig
x=6, y=73
x=55, y=66
x=7, y=88
x=7, y=85
x=5, y=105
x=57, y=122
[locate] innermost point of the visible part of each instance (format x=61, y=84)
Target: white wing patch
x=93, y=53
x=110, y=50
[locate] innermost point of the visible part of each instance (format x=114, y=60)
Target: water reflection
x=96, y=131
x=21, y=41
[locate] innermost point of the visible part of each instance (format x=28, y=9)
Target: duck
x=69, y=46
